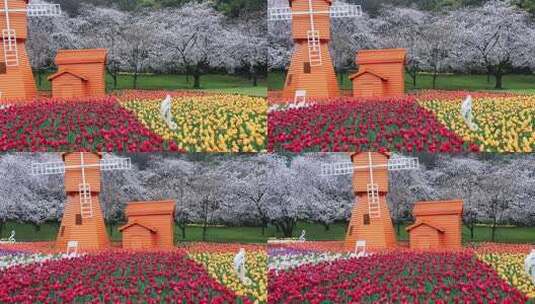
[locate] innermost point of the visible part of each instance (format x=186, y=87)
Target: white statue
x=529, y=265
x=466, y=113
x=165, y=112
x=302, y=236
x=10, y=240
x=239, y=267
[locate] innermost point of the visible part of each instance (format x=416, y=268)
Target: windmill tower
x=311, y=69
x=83, y=220
x=370, y=217
x=16, y=78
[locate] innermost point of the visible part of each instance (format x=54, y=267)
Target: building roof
x=166, y=207
x=330, y=2
x=381, y=56
x=353, y=154
x=59, y=74
x=81, y=56
x=426, y=223
x=64, y=154
x=356, y=75
x=134, y=222
x=451, y=207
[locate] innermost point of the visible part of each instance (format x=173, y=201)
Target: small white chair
x=300, y=96
x=360, y=248
x=72, y=247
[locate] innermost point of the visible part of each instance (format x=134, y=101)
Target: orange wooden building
x=381, y=73
x=16, y=82
x=81, y=73
x=150, y=225
x=370, y=222
x=317, y=78
x=78, y=223
x=438, y=225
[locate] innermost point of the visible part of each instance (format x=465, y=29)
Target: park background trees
x=492, y=37
x=192, y=38
x=278, y=191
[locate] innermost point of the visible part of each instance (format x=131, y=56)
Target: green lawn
x=514, y=83
x=48, y=232
x=481, y=233
x=213, y=82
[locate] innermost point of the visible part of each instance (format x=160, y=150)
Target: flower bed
x=394, y=125
x=212, y=123
x=510, y=266
x=220, y=267
x=114, y=278
x=93, y=124
x=293, y=259
x=401, y=277
x=505, y=124
x=15, y=258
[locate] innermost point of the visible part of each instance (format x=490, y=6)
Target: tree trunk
x=183, y=230
x=135, y=80
x=493, y=231
x=327, y=227
x=398, y=228
x=435, y=75
x=2, y=225
x=110, y=228
x=114, y=77
x=204, y=230
x=40, y=77
x=287, y=226
x=471, y=231
x=196, y=81
x=499, y=79
x=36, y=227
x=263, y=229
x=255, y=80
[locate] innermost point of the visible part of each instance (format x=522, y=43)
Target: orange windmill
x=370, y=217
x=83, y=221
x=311, y=72
x=16, y=78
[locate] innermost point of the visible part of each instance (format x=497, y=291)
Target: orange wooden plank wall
x=89, y=64
x=17, y=84
x=386, y=63
x=444, y=214
x=91, y=232
x=378, y=234
x=158, y=215
x=301, y=23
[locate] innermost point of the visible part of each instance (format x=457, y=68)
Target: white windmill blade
x=344, y=168
x=43, y=10
x=115, y=163
x=403, y=163
x=279, y=13
x=345, y=11
x=49, y=168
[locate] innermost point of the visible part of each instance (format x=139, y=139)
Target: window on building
x=3, y=69
x=62, y=231
x=78, y=219
x=306, y=67
x=366, y=219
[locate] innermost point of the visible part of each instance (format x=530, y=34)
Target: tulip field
x=211, y=123
x=301, y=275
x=196, y=274
x=130, y=122
x=428, y=121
